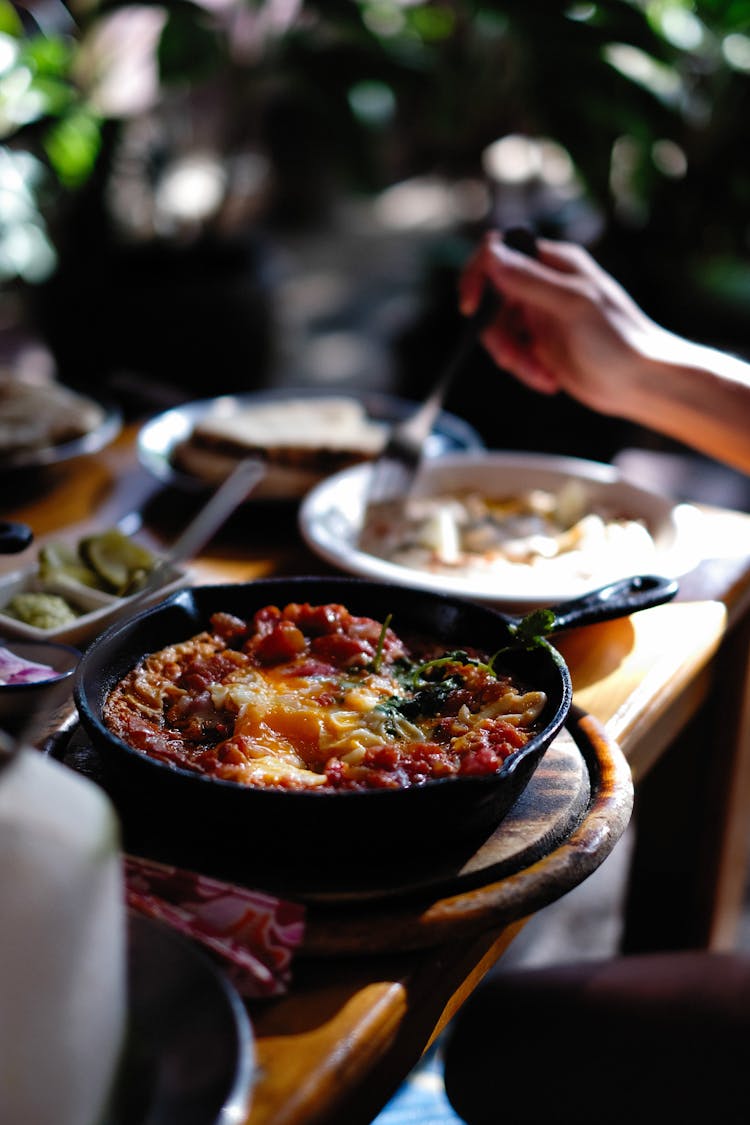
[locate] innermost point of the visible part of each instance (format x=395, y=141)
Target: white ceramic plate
x=94, y=440
x=158, y=438
x=331, y=515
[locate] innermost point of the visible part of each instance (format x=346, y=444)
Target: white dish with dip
x=572, y=525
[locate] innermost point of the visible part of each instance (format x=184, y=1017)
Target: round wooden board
x=552, y=804
x=575, y=807
x=542, y=860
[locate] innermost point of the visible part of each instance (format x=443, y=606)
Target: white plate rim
x=328, y=516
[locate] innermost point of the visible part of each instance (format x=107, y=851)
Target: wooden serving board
x=552, y=804
x=572, y=812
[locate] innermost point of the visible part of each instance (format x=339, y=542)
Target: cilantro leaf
x=530, y=632
x=532, y=628
x=457, y=656
x=378, y=658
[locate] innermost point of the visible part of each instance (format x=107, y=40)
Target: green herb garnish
x=427, y=696
x=457, y=656
x=378, y=658
x=530, y=632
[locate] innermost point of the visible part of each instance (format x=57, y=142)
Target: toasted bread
x=301, y=439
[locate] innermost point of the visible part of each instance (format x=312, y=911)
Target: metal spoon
x=231, y=492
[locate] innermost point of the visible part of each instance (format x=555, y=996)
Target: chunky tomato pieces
x=329, y=633
x=311, y=696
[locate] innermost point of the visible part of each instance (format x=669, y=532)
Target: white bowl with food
x=521, y=530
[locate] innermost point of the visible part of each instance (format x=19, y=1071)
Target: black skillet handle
x=14, y=537
x=618, y=599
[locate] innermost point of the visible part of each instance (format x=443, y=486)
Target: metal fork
x=395, y=468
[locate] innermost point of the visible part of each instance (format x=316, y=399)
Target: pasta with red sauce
x=315, y=697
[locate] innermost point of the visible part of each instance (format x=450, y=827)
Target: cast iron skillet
x=186, y=814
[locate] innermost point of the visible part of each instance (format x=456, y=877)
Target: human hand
x=564, y=323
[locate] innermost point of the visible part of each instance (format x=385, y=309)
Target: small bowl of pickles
x=76, y=587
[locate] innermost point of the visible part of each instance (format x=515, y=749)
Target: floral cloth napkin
x=253, y=934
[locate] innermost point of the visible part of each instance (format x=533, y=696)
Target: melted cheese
x=289, y=725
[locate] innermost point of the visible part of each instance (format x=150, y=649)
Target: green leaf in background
x=432, y=23
x=72, y=146
x=10, y=23
x=48, y=55
x=649, y=100
x=54, y=94
x=34, y=80
x=725, y=280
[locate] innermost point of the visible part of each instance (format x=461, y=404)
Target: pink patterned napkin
x=253, y=934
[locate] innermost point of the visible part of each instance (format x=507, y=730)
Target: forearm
x=566, y=325
x=695, y=395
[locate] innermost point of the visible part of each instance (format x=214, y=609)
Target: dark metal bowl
x=19, y=703
x=185, y=815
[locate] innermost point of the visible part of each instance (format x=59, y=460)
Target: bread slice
x=302, y=440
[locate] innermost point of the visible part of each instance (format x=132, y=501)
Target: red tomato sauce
x=315, y=697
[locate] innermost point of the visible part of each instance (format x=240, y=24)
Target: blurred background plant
x=153, y=156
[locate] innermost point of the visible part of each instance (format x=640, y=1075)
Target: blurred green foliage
x=650, y=98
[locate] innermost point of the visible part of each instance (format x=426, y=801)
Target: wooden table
x=669, y=686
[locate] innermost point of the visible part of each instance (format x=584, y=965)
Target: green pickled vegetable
x=42, y=611
x=120, y=562
x=56, y=559
x=108, y=560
